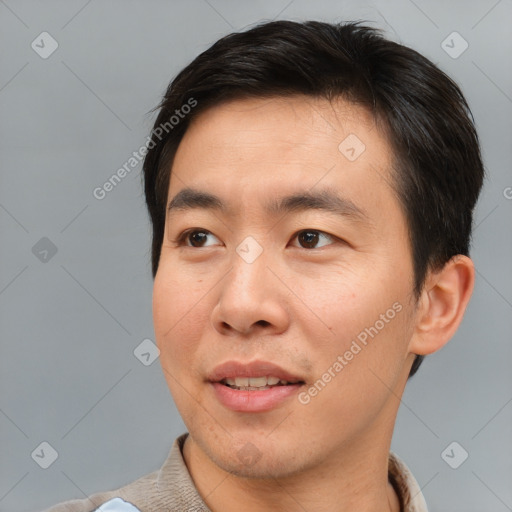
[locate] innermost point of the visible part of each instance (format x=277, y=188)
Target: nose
x=252, y=301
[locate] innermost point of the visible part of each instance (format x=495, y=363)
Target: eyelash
x=183, y=237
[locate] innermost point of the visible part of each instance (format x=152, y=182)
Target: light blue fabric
x=117, y=505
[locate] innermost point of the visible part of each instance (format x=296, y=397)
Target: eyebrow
x=325, y=200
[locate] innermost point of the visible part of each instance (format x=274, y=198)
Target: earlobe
x=442, y=304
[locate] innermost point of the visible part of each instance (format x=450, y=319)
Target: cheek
x=357, y=333
x=178, y=317
x=334, y=306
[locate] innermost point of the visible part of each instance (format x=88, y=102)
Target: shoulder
x=137, y=494
x=169, y=488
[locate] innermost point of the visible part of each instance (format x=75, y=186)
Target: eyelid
x=333, y=238
x=181, y=239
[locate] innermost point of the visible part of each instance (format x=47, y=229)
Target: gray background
x=70, y=323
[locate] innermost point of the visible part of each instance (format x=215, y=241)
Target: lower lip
x=253, y=401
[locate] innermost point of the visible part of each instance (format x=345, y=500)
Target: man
x=311, y=189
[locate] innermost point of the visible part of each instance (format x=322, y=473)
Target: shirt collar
x=405, y=485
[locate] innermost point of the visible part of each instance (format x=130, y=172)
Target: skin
x=296, y=306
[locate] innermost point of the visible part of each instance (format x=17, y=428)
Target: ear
x=441, y=306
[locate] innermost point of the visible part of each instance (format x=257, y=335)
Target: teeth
x=257, y=382
x=254, y=382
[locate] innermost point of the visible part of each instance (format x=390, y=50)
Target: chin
x=255, y=457
x=270, y=466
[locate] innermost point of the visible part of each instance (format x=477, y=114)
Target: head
x=346, y=167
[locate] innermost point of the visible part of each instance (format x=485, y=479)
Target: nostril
x=227, y=327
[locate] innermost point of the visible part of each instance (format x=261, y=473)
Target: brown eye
x=309, y=238
x=195, y=238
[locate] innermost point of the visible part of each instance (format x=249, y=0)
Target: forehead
x=263, y=146
x=299, y=125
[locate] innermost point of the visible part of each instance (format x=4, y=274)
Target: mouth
x=257, y=386
x=254, y=374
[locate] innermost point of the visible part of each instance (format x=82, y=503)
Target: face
x=283, y=305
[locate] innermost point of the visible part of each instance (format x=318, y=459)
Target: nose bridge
x=249, y=299
x=249, y=272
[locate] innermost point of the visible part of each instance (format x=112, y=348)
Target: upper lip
x=233, y=369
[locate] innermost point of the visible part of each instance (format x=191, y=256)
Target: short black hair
x=437, y=170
